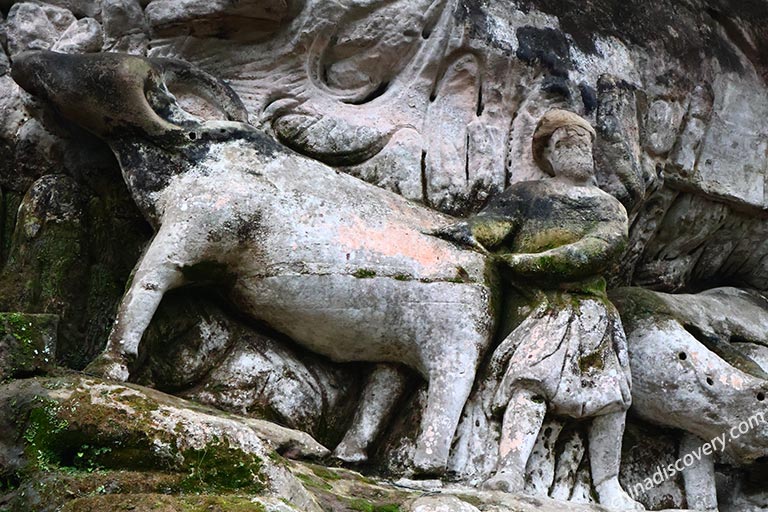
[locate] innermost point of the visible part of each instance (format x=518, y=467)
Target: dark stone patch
x=148, y=167
x=248, y=231
x=608, y=83
x=674, y=79
x=556, y=86
x=685, y=31
x=545, y=46
x=245, y=229
x=588, y=98
x=471, y=13
x=209, y=272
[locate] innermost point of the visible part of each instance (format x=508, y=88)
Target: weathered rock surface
x=196, y=351
x=31, y=28
x=71, y=421
x=82, y=36
x=76, y=443
x=435, y=101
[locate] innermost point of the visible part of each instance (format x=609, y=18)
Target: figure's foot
x=426, y=465
x=506, y=481
x=350, y=453
x=612, y=495
x=108, y=367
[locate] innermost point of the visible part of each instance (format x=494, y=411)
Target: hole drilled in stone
x=683, y=356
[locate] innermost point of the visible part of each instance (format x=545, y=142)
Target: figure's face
x=569, y=152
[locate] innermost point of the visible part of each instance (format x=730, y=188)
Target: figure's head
x=562, y=146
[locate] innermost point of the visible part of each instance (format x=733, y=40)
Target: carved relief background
x=437, y=101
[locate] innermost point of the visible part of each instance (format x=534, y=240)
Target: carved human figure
x=567, y=356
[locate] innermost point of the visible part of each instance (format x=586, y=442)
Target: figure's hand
x=460, y=232
x=108, y=367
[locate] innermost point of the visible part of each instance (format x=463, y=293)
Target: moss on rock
x=220, y=467
x=27, y=344
x=163, y=503
x=637, y=304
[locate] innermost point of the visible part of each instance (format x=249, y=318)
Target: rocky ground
x=74, y=443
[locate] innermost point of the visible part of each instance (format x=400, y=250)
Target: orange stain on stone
x=393, y=242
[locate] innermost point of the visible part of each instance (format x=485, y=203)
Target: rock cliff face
x=436, y=101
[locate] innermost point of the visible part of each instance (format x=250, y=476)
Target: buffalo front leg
x=699, y=479
x=382, y=390
x=156, y=273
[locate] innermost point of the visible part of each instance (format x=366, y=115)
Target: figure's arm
x=493, y=225
x=590, y=256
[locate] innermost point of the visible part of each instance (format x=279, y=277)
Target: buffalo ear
x=181, y=75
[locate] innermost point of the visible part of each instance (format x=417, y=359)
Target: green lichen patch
x=219, y=467
x=637, y=304
x=27, y=344
x=550, y=238
x=472, y=500
x=75, y=431
x=491, y=230
x=314, y=483
x=366, y=506
x=324, y=473
x=364, y=273
x=50, y=490
x=345, y=490
x=162, y=503
x=592, y=362
x=47, y=265
x=43, y=432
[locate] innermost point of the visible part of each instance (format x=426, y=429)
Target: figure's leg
x=450, y=382
x=157, y=272
x=382, y=390
x=520, y=427
x=605, y=435
x=699, y=479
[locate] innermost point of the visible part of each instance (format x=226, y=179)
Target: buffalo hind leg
x=382, y=390
x=699, y=479
x=449, y=388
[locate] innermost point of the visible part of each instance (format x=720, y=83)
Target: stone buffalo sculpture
x=344, y=268
x=699, y=365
